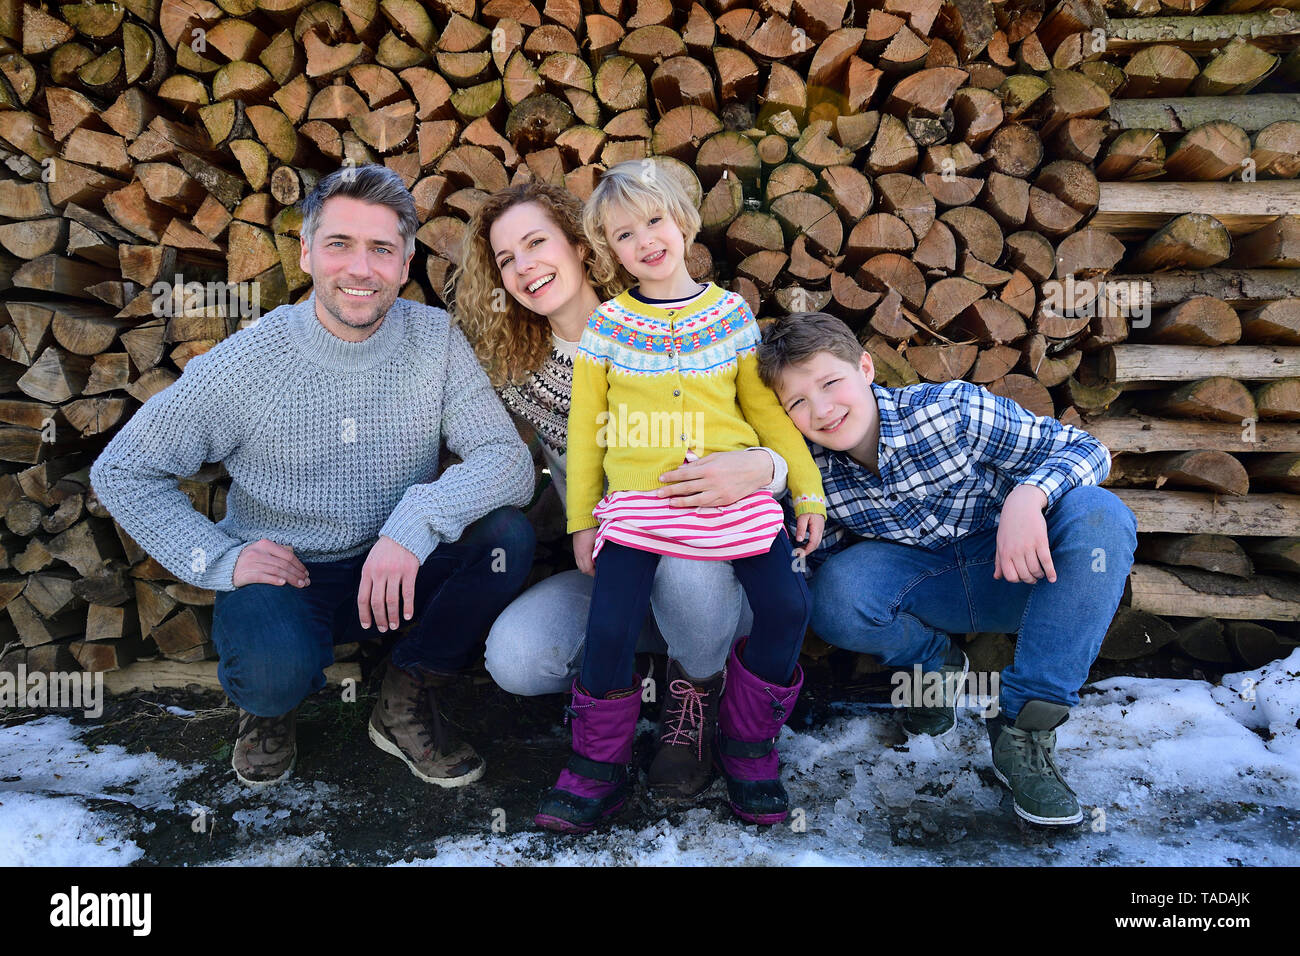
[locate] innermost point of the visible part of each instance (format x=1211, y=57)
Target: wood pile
x=964, y=182
x=1201, y=403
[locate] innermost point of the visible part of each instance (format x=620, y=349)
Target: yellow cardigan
x=650, y=383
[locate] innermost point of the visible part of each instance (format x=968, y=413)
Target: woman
x=523, y=294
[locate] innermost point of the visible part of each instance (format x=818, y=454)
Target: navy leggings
x=621, y=597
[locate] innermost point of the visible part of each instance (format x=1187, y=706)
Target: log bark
x=1175, y=114
x=1214, y=471
x=1204, y=33
x=1198, y=512
x=1141, y=435
x=1208, y=552
x=1180, y=363
x=1162, y=592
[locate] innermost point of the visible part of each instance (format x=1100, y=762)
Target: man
x=328, y=415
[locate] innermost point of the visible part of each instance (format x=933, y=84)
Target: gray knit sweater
x=328, y=443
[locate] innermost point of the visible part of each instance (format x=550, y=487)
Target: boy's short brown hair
x=799, y=336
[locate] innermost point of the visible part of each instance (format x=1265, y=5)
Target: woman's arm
x=724, y=477
x=588, y=418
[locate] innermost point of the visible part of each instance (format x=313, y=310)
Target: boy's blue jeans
x=275, y=641
x=900, y=602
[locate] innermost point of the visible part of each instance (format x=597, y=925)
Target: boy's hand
x=808, y=527
x=584, y=542
x=1022, y=551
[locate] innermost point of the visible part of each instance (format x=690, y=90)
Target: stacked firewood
x=964, y=182
x=1200, y=404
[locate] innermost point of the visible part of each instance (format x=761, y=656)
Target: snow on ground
x=1171, y=772
x=51, y=785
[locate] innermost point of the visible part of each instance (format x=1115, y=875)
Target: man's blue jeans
x=275, y=641
x=900, y=602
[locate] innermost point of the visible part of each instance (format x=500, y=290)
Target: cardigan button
x=676, y=392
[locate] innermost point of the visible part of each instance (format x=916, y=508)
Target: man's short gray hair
x=369, y=183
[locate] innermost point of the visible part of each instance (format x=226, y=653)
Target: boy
x=969, y=514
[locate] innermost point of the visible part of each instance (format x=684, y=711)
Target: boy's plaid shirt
x=949, y=454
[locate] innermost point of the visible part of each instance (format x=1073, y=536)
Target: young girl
x=666, y=372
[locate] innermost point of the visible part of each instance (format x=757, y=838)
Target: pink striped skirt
x=643, y=520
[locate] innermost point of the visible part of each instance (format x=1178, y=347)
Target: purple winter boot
x=594, y=784
x=750, y=718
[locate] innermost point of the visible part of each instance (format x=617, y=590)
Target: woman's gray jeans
x=535, y=645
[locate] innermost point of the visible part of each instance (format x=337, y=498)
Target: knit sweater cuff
x=219, y=576
x=409, y=529
x=810, y=504
x=582, y=523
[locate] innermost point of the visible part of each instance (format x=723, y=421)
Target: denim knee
x=510, y=531
x=828, y=591
x=270, y=658
x=838, y=586
x=279, y=689
x=523, y=667
x=1102, y=516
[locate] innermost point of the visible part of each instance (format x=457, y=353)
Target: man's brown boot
x=265, y=748
x=406, y=723
x=683, y=764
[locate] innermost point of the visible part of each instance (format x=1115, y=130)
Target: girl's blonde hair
x=511, y=341
x=640, y=186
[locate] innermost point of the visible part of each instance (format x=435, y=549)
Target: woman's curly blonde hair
x=511, y=341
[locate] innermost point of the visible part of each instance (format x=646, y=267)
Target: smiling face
x=357, y=264
x=540, y=268
x=831, y=403
x=648, y=244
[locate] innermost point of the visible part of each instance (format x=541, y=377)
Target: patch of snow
x=49, y=777
x=312, y=850
x=41, y=830
x=48, y=756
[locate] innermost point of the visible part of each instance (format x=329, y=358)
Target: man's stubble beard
x=334, y=301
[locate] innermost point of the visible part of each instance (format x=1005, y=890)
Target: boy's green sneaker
x=937, y=720
x=1024, y=758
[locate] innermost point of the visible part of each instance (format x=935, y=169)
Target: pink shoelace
x=691, y=710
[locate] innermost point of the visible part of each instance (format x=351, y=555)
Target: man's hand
x=1022, y=552
x=265, y=562
x=808, y=528
x=387, y=580
x=584, y=542
x=721, y=478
